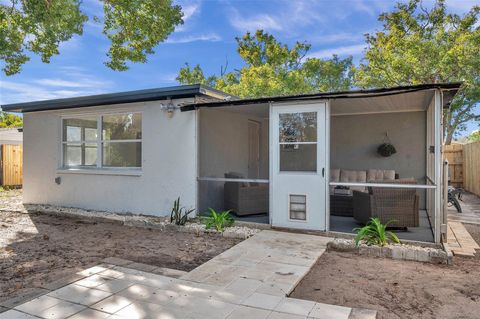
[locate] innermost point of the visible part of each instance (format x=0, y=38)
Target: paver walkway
x=250, y=280
x=459, y=240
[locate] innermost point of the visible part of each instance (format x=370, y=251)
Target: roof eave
x=177, y=92
x=455, y=86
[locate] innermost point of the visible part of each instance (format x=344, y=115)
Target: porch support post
x=327, y=163
x=271, y=162
x=197, y=160
x=438, y=165
x=444, y=231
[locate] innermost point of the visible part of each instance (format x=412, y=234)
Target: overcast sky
x=206, y=38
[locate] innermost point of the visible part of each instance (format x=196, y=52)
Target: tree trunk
x=448, y=137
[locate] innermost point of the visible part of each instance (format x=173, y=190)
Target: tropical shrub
x=219, y=221
x=375, y=233
x=179, y=215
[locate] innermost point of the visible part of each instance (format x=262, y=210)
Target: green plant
x=386, y=149
x=179, y=215
x=375, y=233
x=218, y=220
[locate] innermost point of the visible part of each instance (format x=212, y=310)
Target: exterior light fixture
x=168, y=107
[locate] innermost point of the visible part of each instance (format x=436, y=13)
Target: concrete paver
x=295, y=306
x=324, y=311
x=15, y=314
x=263, y=301
x=79, y=294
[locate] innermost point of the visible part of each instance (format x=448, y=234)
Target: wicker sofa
x=397, y=204
x=245, y=198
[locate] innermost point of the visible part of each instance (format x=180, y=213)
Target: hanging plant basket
x=386, y=149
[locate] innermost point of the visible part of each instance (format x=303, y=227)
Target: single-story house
x=324, y=161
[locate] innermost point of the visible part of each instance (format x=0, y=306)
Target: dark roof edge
x=181, y=91
x=454, y=86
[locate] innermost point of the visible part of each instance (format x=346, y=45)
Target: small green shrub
x=219, y=221
x=179, y=215
x=375, y=233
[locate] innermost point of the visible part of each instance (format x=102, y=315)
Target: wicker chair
x=245, y=198
x=398, y=204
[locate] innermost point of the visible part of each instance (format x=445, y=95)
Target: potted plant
x=386, y=149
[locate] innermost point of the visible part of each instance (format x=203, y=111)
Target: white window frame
x=100, y=142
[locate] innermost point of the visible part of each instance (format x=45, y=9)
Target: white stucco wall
x=168, y=164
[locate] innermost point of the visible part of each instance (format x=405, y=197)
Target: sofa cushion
x=347, y=176
x=380, y=174
x=334, y=175
x=238, y=176
x=353, y=176
x=233, y=175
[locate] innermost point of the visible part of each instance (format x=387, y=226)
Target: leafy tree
x=273, y=68
x=188, y=75
x=419, y=45
x=474, y=137
x=8, y=120
x=134, y=28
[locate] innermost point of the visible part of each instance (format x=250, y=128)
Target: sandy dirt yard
x=36, y=248
x=397, y=289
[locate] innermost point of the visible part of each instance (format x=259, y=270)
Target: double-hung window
x=298, y=142
x=103, y=141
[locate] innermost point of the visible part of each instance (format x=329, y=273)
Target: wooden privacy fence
x=471, y=167
x=12, y=165
x=454, y=154
x=464, y=165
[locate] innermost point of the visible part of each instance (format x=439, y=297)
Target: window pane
x=122, y=154
x=72, y=155
x=298, y=127
x=79, y=155
x=73, y=134
x=76, y=130
x=298, y=157
x=90, y=157
x=90, y=134
x=122, y=126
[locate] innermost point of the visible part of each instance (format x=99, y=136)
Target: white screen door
x=298, y=166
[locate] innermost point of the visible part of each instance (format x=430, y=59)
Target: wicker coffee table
x=341, y=205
